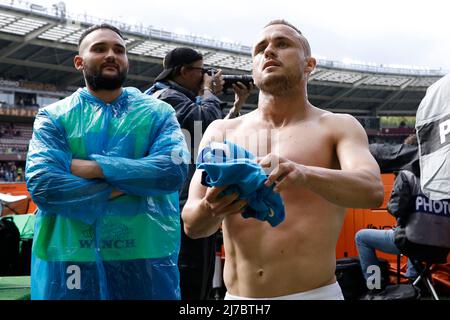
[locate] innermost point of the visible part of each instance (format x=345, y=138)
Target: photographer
x=192, y=91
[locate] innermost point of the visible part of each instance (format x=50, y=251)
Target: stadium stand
x=340, y=77
x=37, y=46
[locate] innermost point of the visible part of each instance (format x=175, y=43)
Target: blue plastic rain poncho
x=87, y=246
x=227, y=164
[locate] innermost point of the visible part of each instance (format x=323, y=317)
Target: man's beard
x=278, y=84
x=97, y=81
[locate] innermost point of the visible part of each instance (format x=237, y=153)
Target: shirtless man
x=321, y=165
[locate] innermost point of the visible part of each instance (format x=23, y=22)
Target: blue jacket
x=87, y=246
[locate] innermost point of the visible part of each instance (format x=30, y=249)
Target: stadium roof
x=38, y=44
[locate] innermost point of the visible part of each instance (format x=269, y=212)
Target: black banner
x=220, y=310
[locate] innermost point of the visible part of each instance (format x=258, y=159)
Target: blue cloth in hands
x=227, y=164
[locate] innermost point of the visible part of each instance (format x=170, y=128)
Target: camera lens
x=230, y=79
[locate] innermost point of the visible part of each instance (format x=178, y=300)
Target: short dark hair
x=305, y=42
x=96, y=27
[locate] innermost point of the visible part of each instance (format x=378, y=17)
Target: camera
x=209, y=71
x=230, y=78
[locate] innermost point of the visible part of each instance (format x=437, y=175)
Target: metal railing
x=406, y=70
x=59, y=11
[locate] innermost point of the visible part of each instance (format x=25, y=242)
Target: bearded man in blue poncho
x=104, y=167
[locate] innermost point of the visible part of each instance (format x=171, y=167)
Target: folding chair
x=424, y=265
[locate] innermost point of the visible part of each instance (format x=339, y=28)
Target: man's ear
x=182, y=71
x=78, y=62
x=310, y=65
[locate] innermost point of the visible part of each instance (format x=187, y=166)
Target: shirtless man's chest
x=306, y=142
x=294, y=242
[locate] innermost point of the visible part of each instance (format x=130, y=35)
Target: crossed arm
x=80, y=189
x=89, y=169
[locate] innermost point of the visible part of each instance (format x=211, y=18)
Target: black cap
x=178, y=57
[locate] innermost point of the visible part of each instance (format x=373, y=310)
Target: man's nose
x=110, y=54
x=269, y=52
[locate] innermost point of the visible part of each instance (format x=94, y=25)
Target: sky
x=381, y=32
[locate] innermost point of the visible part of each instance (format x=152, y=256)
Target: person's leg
x=411, y=272
x=369, y=240
x=209, y=265
x=190, y=265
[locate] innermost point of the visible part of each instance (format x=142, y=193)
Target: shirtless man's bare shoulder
x=319, y=162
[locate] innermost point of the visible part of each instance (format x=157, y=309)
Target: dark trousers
x=196, y=265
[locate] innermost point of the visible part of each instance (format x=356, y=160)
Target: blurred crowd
x=11, y=172
x=8, y=130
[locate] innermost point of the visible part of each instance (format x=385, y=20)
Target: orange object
x=18, y=189
x=441, y=276
x=357, y=219
x=380, y=218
